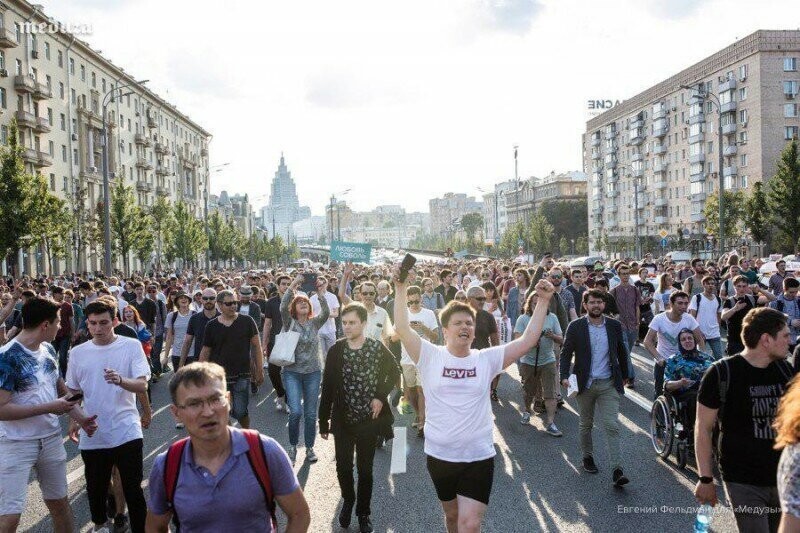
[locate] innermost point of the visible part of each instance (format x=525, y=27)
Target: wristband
x=705, y=480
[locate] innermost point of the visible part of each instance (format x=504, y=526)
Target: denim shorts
x=47, y=457
x=240, y=395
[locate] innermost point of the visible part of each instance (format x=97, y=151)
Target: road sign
x=663, y=243
x=663, y=233
x=686, y=232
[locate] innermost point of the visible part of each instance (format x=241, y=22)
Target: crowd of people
x=342, y=345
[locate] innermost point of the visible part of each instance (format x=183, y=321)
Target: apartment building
x=446, y=212
x=653, y=159
x=58, y=89
x=523, y=202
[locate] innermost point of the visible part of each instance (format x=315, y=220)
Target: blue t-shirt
x=545, y=346
x=230, y=501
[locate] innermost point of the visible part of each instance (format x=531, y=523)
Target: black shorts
x=472, y=480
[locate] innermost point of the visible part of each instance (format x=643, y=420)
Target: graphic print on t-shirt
x=764, y=401
x=459, y=373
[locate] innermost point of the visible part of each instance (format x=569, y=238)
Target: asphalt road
x=539, y=484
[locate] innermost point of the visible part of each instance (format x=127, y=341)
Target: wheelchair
x=670, y=429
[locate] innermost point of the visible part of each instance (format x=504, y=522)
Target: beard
x=595, y=313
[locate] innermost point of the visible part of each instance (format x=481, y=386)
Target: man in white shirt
x=706, y=308
x=327, y=333
x=110, y=371
x=30, y=433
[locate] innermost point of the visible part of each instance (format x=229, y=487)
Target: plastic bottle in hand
x=702, y=521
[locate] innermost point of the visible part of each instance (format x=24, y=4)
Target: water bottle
x=703, y=519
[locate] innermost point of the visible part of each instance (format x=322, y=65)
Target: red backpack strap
x=172, y=468
x=258, y=462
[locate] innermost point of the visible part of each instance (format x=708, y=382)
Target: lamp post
x=700, y=96
x=338, y=233
x=107, y=99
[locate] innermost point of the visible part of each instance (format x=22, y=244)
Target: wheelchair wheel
x=662, y=430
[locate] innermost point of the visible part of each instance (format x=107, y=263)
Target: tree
x=129, y=223
x=540, y=234
x=187, y=239
x=734, y=203
x=570, y=219
x=582, y=245
x=509, y=242
x=50, y=222
x=471, y=223
x=216, y=236
x=756, y=218
x=563, y=246
x=783, y=195
x=161, y=221
x=15, y=196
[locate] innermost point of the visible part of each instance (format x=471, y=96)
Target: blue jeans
x=630, y=337
x=240, y=397
x=305, y=388
x=716, y=347
x=62, y=348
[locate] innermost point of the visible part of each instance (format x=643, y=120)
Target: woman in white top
x=458, y=429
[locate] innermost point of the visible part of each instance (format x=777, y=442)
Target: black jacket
x=331, y=403
x=577, y=343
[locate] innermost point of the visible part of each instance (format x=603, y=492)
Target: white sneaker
x=311, y=457
x=279, y=404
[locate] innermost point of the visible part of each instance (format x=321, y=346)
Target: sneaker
x=120, y=523
x=493, y=396
x=279, y=404
x=381, y=443
x=179, y=426
x=560, y=403
x=346, y=514
x=526, y=419
x=311, y=457
x=253, y=388
x=588, y=464
x=292, y=451
x=365, y=524
x=553, y=430
x=619, y=478
x=629, y=384
x=421, y=432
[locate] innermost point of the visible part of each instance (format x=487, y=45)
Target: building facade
x=653, y=159
x=387, y=225
x=496, y=212
x=284, y=207
x=235, y=207
x=55, y=86
x=523, y=202
x=446, y=212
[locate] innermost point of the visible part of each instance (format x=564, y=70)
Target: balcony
x=660, y=113
x=729, y=150
x=42, y=91
x=660, y=185
x=596, y=154
x=728, y=129
x=637, y=156
x=635, y=123
x=203, y=152
x=729, y=171
x=728, y=107
x=151, y=122
x=697, y=158
x=24, y=84
x=698, y=217
x=610, y=162
x=7, y=38
x=637, y=172
x=25, y=119
x=596, y=210
x=660, y=220
x=660, y=202
x=727, y=85
x=637, y=137
x=595, y=141
x=162, y=148
x=640, y=200
x=611, y=207
x=660, y=130
x=143, y=186
x=43, y=159
x=42, y=125
x=162, y=191
x=700, y=176
x=697, y=119
x=143, y=163
x=162, y=170
x=660, y=166
x=142, y=139
x=29, y=155
x=698, y=138
x=699, y=197
x=613, y=193
x=659, y=149
x=608, y=135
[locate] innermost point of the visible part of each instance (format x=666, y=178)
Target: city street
x=539, y=484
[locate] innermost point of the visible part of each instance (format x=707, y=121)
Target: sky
x=401, y=102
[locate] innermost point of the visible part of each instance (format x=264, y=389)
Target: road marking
x=642, y=359
x=398, y=465
x=639, y=400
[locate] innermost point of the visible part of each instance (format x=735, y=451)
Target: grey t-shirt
x=180, y=326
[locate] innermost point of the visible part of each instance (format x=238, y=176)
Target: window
x=17, y=33
x=791, y=132
x=71, y=66
x=742, y=72
x=83, y=73
x=4, y=134
x=744, y=182
x=63, y=122
x=51, y=149
x=743, y=116
x=52, y=182
x=742, y=93
x=790, y=110
x=61, y=59
x=103, y=84
x=18, y=67
x=3, y=102
x=789, y=64
x=743, y=160
x=47, y=50
x=50, y=116
x=64, y=153
x=790, y=88
x=94, y=80
x=73, y=96
x=742, y=137
x=61, y=90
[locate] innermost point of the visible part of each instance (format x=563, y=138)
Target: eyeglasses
x=209, y=298
x=555, y=276
x=195, y=407
x=228, y=304
x=367, y=293
x=414, y=302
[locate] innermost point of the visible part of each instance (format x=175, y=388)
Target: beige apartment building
x=55, y=86
x=522, y=203
x=663, y=142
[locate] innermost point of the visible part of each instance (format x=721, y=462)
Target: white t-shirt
x=668, y=332
x=707, y=315
x=31, y=377
x=117, y=417
x=428, y=319
x=458, y=411
x=333, y=303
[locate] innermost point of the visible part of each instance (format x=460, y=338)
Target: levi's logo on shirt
x=459, y=373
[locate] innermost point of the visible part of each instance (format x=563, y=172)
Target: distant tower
x=284, y=207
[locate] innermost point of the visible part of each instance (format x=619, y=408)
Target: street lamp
x=107, y=99
x=701, y=95
x=338, y=222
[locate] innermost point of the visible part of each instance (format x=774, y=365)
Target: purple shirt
x=230, y=501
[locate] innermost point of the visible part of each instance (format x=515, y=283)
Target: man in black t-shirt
x=273, y=323
x=735, y=308
x=196, y=329
x=231, y=340
x=486, y=333
x=743, y=392
x=648, y=290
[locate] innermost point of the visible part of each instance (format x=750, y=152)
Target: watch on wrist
x=705, y=480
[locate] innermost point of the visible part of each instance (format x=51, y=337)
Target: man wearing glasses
x=201, y=402
x=196, y=329
x=231, y=340
x=486, y=334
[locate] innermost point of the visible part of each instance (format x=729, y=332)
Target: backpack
x=255, y=455
x=699, y=297
x=175, y=317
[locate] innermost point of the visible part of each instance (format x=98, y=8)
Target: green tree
x=509, y=242
x=187, y=239
x=734, y=203
x=471, y=223
x=16, y=192
x=783, y=195
x=582, y=245
x=50, y=222
x=756, y=218
x=129, y=224
x=563, y=246
x=161, y=221
x=540, y=234
x=570, y=219
x=217, y=234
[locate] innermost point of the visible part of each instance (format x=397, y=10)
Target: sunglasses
x=209, y=298
x=229, y=304
x=479, y=298
x=556, y=276
x=414, y=302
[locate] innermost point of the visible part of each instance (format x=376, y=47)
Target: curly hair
x=296, y=300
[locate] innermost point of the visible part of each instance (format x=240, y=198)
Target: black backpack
x=699, y=298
